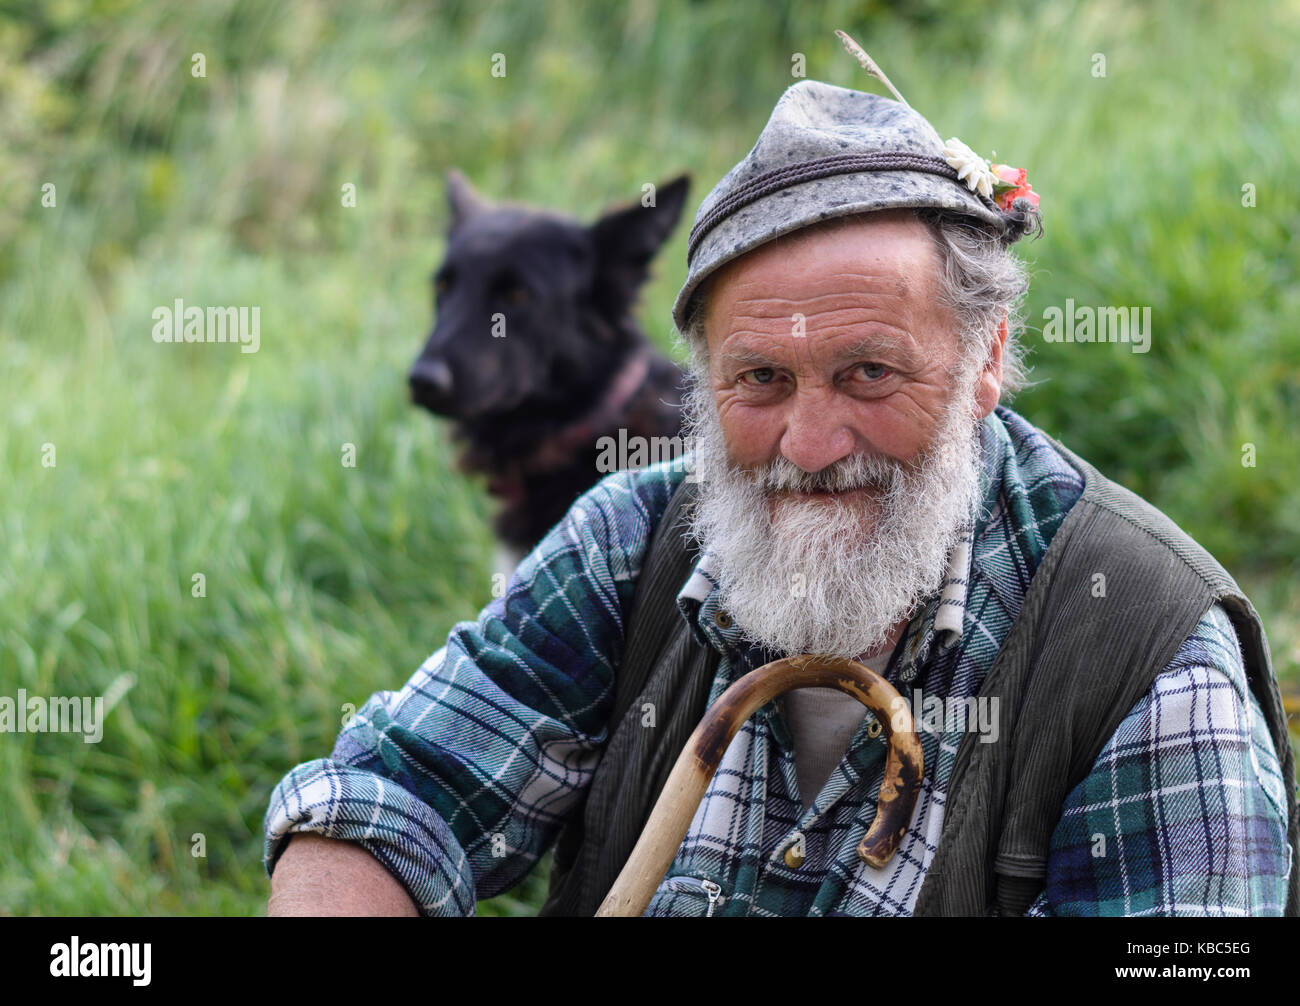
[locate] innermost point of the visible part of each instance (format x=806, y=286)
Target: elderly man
x=1101, y=730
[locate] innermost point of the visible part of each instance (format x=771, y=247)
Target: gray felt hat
x=828, y=152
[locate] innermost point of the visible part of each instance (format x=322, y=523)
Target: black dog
x=534, y=352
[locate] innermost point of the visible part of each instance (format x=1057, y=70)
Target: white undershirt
x=822, y=721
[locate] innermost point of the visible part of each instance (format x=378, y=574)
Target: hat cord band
x=804, y=171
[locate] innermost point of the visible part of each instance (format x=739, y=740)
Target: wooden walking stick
x=695, y=766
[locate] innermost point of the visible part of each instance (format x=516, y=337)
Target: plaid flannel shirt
x=459, y=782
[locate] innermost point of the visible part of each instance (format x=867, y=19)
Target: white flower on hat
x=971, y=168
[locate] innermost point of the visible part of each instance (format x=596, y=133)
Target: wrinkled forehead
x=892, y=251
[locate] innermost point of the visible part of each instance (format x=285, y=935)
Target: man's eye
x=763, y=375
x=873, y=371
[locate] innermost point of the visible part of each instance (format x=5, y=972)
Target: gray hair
x=981, y=281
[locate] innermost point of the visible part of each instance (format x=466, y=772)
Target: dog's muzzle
x=432, y=386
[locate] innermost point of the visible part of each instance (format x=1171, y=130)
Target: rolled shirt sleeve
x=460, y=781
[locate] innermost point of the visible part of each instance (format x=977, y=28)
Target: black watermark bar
x=238, y=955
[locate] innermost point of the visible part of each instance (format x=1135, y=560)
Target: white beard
x=833, y=575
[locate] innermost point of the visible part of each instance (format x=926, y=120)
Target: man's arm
x=1184, y=812
x=322, y=876
x=457, y=784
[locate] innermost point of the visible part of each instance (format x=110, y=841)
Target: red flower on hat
x=1012, y=184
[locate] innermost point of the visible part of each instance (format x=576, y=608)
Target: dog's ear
x=463, y=201
x=628, y=237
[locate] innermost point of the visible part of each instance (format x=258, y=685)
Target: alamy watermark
x=1130, y=325
x=179, y=323
x=75, y=959
x=623, y=452
x=952, y=714
x=60, y=714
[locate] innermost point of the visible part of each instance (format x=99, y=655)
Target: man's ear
x=989, y=387
x=462, y=200
x=627, y=238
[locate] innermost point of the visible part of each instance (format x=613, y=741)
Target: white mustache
x=859, y=471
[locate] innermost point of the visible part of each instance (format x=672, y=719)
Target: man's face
x=836, y=432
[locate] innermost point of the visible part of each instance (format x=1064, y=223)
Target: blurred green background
x=326, y=583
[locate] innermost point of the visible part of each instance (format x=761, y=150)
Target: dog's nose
x=431, y=384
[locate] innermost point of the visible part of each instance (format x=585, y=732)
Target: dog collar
x=558, y=450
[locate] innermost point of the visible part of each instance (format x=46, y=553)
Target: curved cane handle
x=671, y=818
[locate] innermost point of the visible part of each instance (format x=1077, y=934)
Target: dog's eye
x=508, y=287
x=442, y=283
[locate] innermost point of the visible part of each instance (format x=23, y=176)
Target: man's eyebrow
x=870, y=346
x=865, y=347
x=745, y=356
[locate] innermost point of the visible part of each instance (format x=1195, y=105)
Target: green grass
x=325, y=583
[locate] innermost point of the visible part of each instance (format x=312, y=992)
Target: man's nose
x=818, y=430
